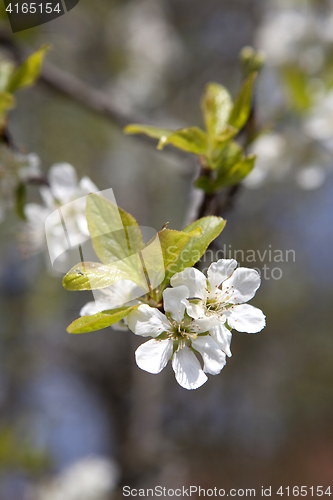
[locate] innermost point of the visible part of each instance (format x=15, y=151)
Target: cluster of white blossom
x=15, y=168
x=153, y=49
x=64, y=205
x=296, y=38
x=281, y=155
x=319, y=123
x=91, y=478
x=199, y=316
x=295, y=32
x=271, y=159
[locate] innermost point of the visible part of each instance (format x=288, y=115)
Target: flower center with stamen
x=178, y=331
x=217, y=302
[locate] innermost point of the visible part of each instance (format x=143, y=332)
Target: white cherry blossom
x=15, y=168
x=90, y=478
x=282, y=33
x=319, y=124
x=44, y=229
x=122, y=293
x=176, y=336
x=311, y=177
x=222, y=295
x=270, y=150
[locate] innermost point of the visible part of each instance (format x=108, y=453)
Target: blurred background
x=79, y=419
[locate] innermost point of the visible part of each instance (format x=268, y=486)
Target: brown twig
x=69, y=86
x=211, y=203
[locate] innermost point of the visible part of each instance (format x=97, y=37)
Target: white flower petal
x=147, y=321
x=241, y=286
x=188, y=371
x=246, y=318
x=205, y=324
x=82, y=223
x=221, y=270
x=214, y=358
x=47, y=197
x=87, y=186
x=195, y=281
x=153, y=356
x=30, y=168
x=94, y=307
x=172, y=301
x=63, y=181
x=222, y=336
x=195, y=310
x=121, y=293
x=36, y=214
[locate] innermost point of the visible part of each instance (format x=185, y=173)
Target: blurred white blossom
x=270, y=150
x=319, y=124
x=14, y=169
x=153, y=48
x=282, y=33
x=92, y=478
x=327, y=27
x=64, y=205
x=311, y=177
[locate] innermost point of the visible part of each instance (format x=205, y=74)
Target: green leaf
x=6, y=70
x=219, y=145
x=115, y=234
x=242, y=108
x=172, y=242
x=94, y=275
x=251, y=60
x=117, y=241
x=232, y=154
x=153, y=132
x=162, y=251
x=228, y=171
x=227, y=133
x=205, y=183
x=296, y=82
x=100, y=320
x=195, y=248
x=226, y=155
x=192, y=140
x=216, y=106
x=237, y=173
x=19, y=452
x=7, y=101
x=29, y=71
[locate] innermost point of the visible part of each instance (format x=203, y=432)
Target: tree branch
x=100, y=102
x=211, y=203
x=69, y=86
